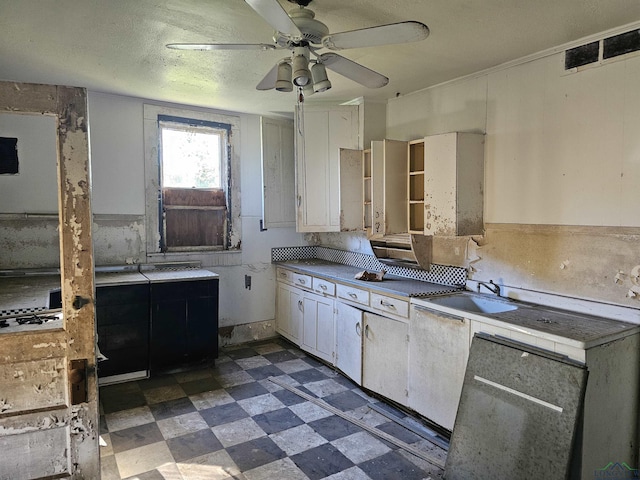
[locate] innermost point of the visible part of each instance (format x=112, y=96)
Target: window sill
x=212, y=258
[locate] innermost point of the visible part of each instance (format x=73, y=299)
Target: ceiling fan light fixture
x=283, y=82
x=320, y=81
x=300, y=65
x=307, y=89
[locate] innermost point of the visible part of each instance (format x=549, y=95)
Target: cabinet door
x=168, y=333
x=454, y=179
x=389, y=180
x=184, y=323
x=202, y=328
x=278, y=173
x=438, y=352
x=318, y=326
x=289, y=312
x=122, y=318
x=385, y=357
x=349, y=341
x=319, y=137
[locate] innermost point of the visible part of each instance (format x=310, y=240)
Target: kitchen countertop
x=26, y=293
x=576, y=329
x=170, y=275
x=394, y=285
x=570, y=328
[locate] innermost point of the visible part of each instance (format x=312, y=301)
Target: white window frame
x=152, y=177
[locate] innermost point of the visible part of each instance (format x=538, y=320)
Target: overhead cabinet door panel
x=320, y=134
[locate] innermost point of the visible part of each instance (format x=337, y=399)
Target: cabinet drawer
x=323, y=287
x=353, y=294
x=390, y=305
x=301, y=280
x=283, y=275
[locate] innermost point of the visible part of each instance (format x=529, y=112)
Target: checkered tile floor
x=229, y=421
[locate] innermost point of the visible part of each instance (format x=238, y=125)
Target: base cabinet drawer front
x=121, y=294
x=299, y=280
x=391, y=305
x=385, y=356
x=284, y=275
x=438, y=353
x=323, y=287
x=352, y=294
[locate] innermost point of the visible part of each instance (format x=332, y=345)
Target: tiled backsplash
x=443, y=274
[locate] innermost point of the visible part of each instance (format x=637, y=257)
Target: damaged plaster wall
x=594, y=263
x=119, y=229
x=562, y=171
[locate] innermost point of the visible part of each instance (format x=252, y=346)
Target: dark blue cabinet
x=184, y=323
x=122, y=314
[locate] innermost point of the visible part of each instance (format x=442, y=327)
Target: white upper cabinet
x=320, y=133
x=389, y=187
x=278, y=173
x=453, y=173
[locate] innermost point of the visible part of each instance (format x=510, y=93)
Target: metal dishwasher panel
x=518, y=413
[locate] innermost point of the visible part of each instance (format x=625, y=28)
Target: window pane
x=190, y=159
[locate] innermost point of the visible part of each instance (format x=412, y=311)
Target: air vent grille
x=610, y=47
x=621, y=44
x=582, y=55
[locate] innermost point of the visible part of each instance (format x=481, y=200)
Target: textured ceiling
x=118, y=46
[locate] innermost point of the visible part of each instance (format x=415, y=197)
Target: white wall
x=118, y=202
x=561, y=148
x=562, y=172
x=33, y=189
x=117, y=143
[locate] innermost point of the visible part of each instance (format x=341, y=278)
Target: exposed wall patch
x=9, y=164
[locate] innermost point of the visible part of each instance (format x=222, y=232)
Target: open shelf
x=415, y=187
x=367, y=191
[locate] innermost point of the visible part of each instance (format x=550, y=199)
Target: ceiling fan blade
x=221, y=46
x=402, y=32
x=269, y=80
x=276, y=16
x=353, y=71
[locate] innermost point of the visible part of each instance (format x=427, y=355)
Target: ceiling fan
x=301, y=33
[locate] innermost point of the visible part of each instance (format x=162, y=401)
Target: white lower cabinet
x=318, y=326
x=349, y=341
x=289, y=311
x=438, y=353
x=385, y=355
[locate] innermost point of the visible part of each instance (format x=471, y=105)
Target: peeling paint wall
x=595, y=263
x=562, y=172
x=119, y=228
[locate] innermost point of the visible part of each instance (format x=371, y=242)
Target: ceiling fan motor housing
x=312, y=29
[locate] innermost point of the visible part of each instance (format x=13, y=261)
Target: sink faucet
x=492, y=287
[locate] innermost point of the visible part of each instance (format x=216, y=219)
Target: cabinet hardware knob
x=323, y=287
x=302, y=281
x=358, y=329
x=386, y=304
x=366, y=331
x=353, y=295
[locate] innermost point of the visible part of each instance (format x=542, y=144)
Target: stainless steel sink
x=473, y=303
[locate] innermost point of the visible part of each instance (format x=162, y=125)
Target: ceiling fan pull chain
x=300, y=114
